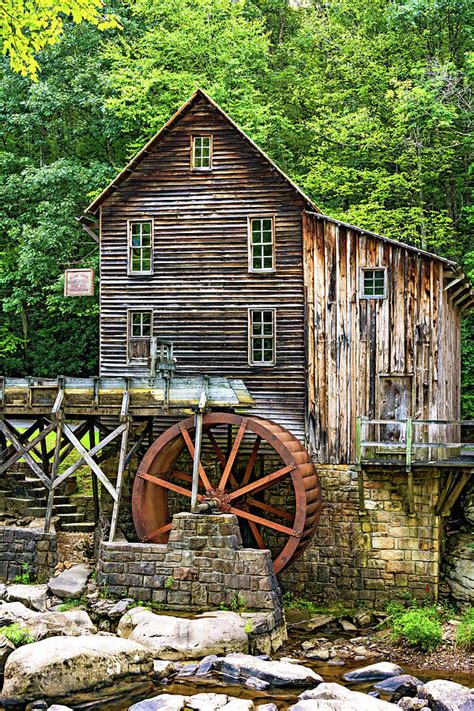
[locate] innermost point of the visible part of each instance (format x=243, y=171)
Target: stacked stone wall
x=379, y=555
x=34, y=550
x=202, y=566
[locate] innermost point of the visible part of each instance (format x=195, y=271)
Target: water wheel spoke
x=262, y=483
x=158, y=531
x=233, y=454
x=165, y=484
x=263, y=521
x=257, y=535
x=220, y=456
x=190, y=446
x=182, y=476
x=270, y=509
x=252, y=460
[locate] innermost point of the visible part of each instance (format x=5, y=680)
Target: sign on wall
x=79, y=282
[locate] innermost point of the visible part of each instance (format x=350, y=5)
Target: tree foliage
x=366, y=104
x=28, y=26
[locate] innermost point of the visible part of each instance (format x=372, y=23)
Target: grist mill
x=257, y=359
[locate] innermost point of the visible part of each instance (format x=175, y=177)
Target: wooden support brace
x=23, y=452
x=89, y=461
x=95, y=484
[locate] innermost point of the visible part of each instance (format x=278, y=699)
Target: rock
x=321, y=654
x=206, y=665
x=70, y=583
x=188, y=669
x=336, y=662
x=63, y=666
x=395, y=682
x=460, y=568
x=314, y=623
x=334, y=697
x=33, y=596
x=6, y=648
x=180, y=638
x=467, y=503
x=347, y=626
x=119, y=608
x=41, y=625
x=163, y=702
x=267, y=707
x=444, y=695
x=374, y=672
x=258, y=684
x=411, y=703
x=162, y=669
x=59, y=707
x=198, y=702
x=363, y=618
x=276, y=673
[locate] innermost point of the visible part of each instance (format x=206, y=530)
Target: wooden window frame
x=362, y=294
x=251, y=362
x=130, y=337
x=193, y=167
x=252, y=269
x=140, y=220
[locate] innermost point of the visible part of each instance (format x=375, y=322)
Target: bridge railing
x=408, y=441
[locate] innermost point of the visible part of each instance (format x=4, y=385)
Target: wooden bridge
x=92, y=403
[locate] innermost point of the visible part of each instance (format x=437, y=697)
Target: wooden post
x=54, y=471
x=360, y=473
x=121, y=467
x=408, y=465
x=196, y=460
x=95, y=483
x=44, y=450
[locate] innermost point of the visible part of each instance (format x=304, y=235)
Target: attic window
x=140, y=326
x=262, y=337
x=140, y=247
x=261, y=244
x=201, y=152
x=373, y=283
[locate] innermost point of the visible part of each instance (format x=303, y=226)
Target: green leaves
x=28, y=26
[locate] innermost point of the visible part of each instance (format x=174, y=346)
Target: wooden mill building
x=213, y=260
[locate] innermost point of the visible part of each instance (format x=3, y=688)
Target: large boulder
x=444, y=695
x=277, y=673
x=467, y=503
x=198, y=702
x=40, y=625
x=393, y=683
x=70, y=583
x=334, y=697
x=459, y=561
x=181, y=638
x=33, y=596
x=374, y=672
x=59, y=667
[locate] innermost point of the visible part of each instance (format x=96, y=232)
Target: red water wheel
x=249, y=467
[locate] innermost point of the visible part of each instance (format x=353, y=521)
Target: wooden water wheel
x=249, y=466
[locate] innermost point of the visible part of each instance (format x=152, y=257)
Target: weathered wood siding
x=356, y=346
x=201, y=289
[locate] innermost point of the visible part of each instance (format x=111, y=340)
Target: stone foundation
x=372, y=557
x=34, y=550
x=203, y=566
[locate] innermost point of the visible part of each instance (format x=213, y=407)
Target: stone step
x=78, y=527
x=70, y=517
x=65, y=508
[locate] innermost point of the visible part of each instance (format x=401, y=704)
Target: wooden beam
x=88, y=460
x=120, y=472
x=54, y=472
x=25, y=454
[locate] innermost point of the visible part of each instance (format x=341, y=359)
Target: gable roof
x=199, y=94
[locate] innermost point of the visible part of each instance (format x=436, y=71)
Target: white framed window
x=261, y=244
x=201, y=152
x=139, y=333
x=140, y=247
x=373, y=283
x=262, y=336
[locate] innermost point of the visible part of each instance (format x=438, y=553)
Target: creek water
x=282, y=698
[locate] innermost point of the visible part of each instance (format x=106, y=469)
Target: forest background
x=366, y=104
